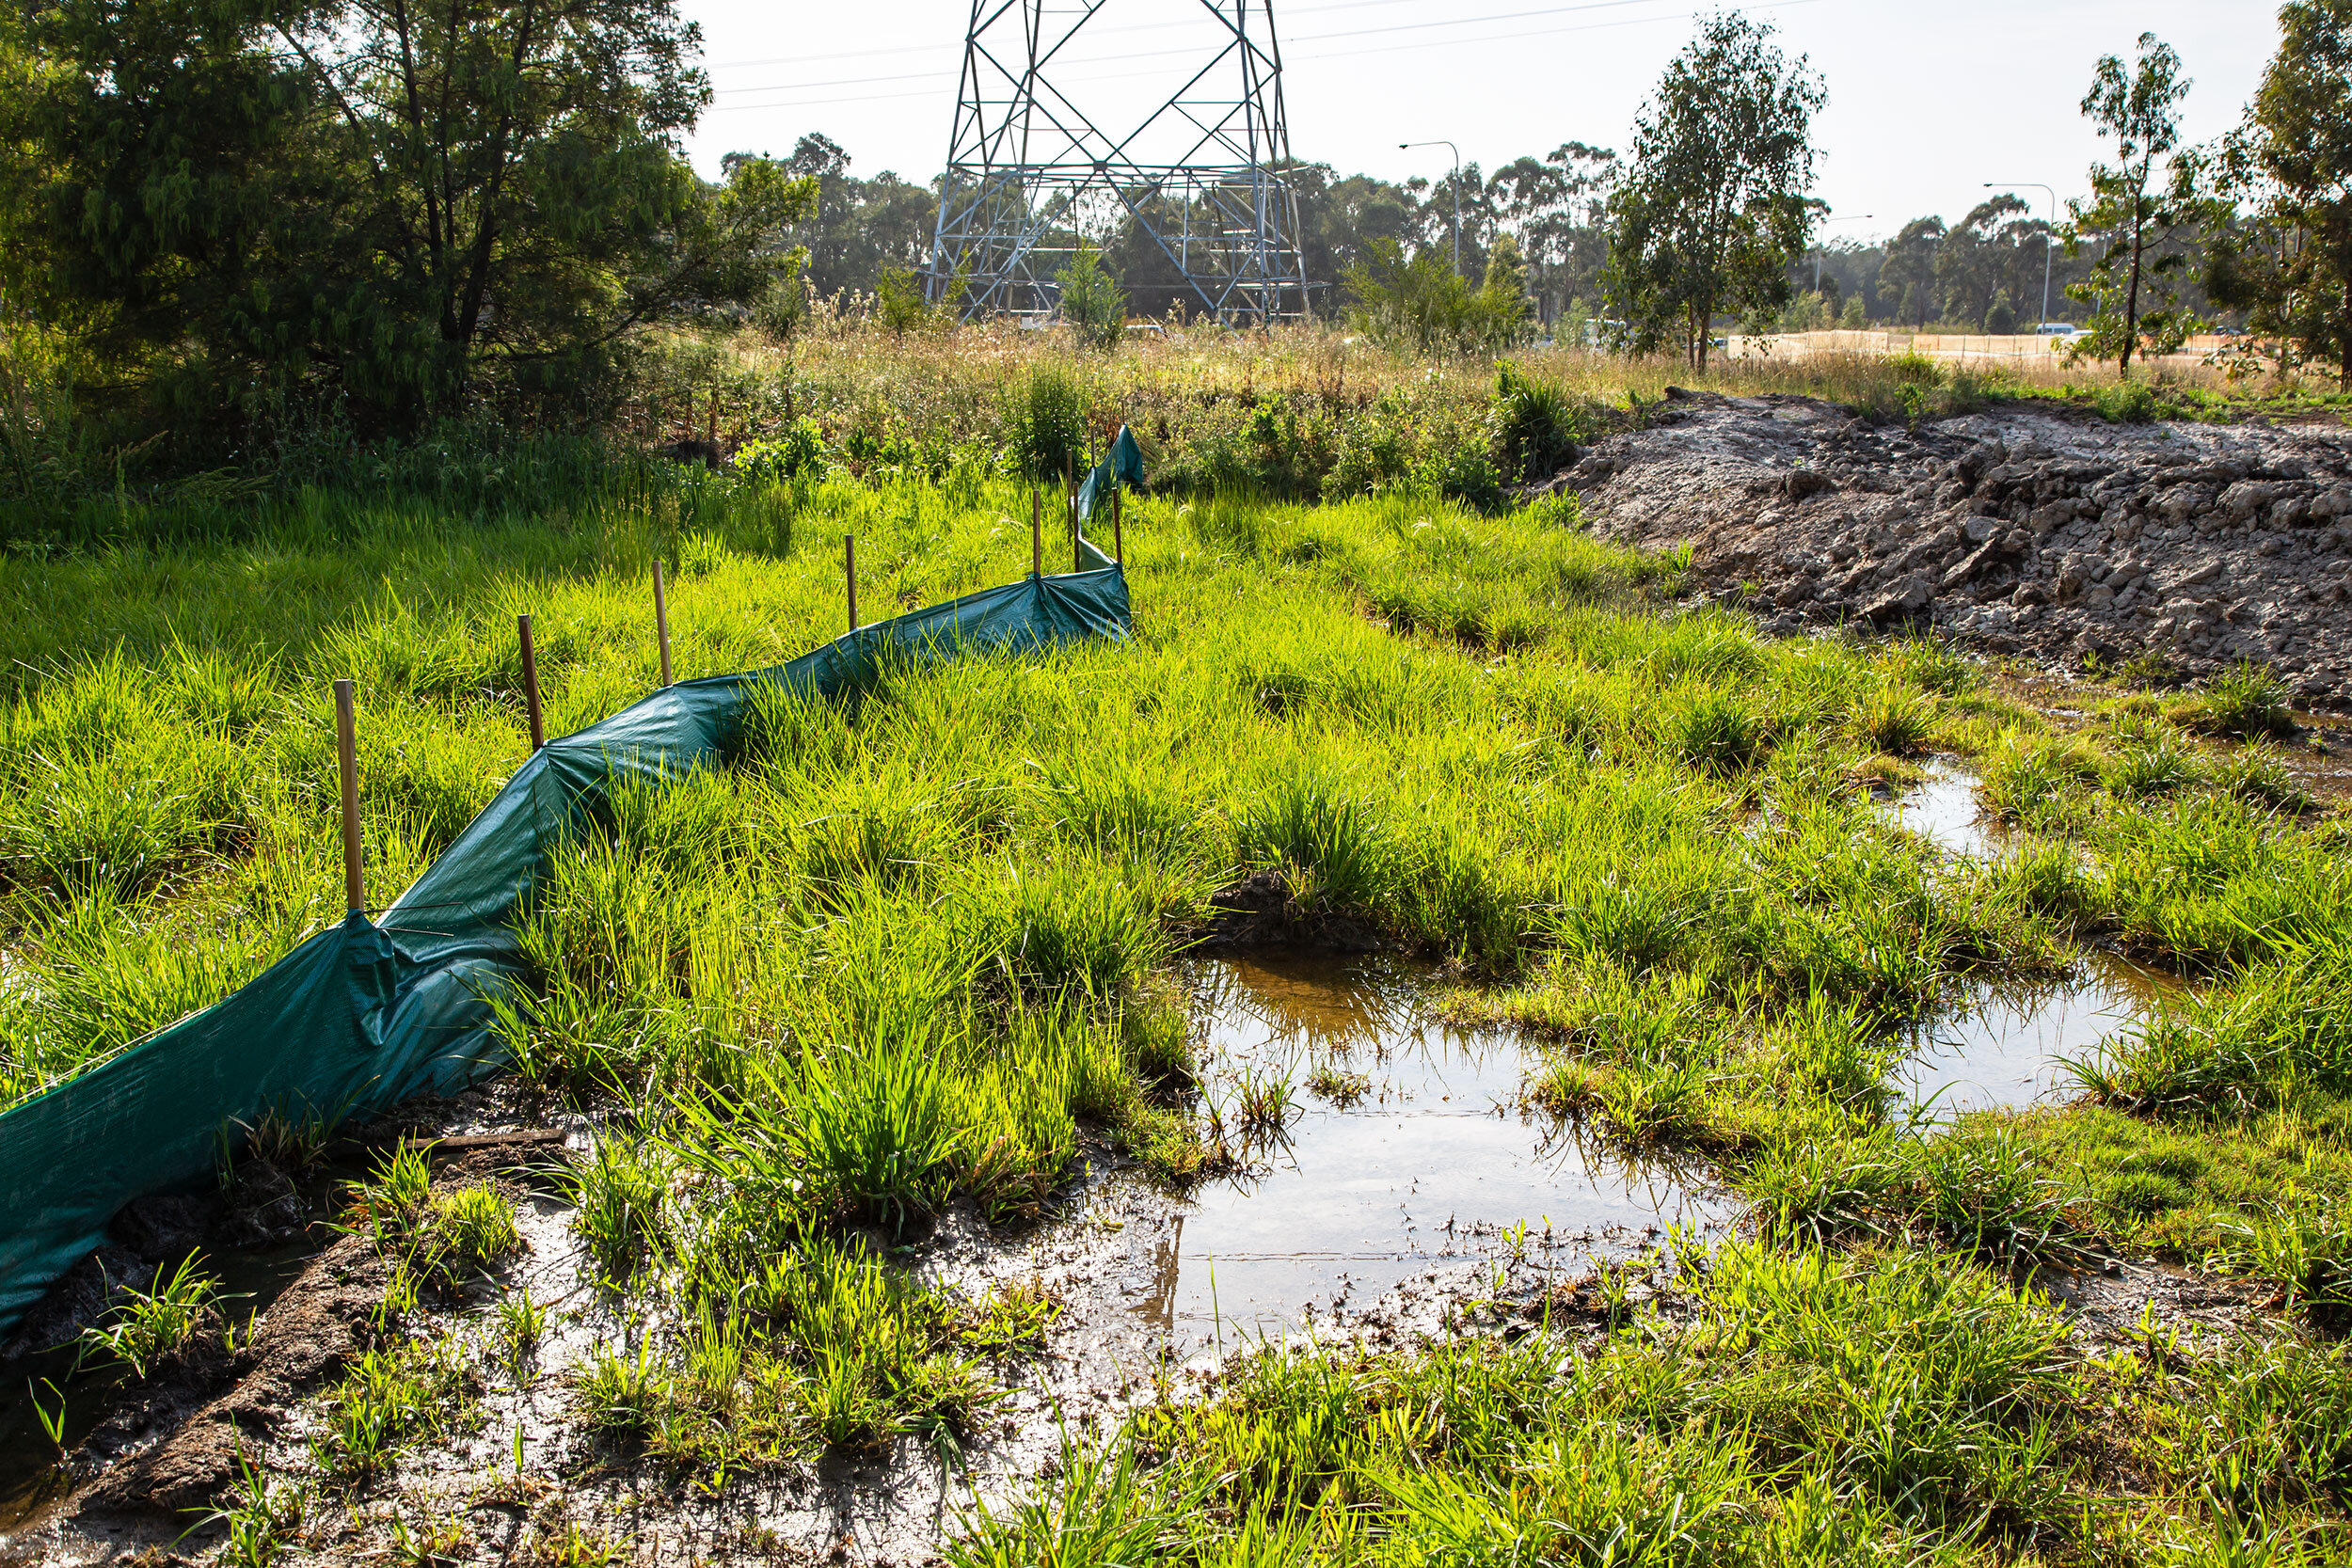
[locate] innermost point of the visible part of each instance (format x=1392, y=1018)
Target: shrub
x=780, y=459
x=1047, y=424
x=1535, y=425
x=1091, y=300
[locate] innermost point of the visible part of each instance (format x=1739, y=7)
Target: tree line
x=399, y=209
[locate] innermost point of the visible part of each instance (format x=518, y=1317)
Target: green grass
x=912, y=943
x=150, y=1327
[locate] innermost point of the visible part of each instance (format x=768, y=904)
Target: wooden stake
x=849, y=572
x=662, y=619
x=1036, y=531
x=530, y=682
x=347, y=754
x=1119, y=531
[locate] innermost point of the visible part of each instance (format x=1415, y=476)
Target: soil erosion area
x=2021, y=529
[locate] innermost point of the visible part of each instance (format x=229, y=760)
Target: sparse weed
x=617, y=1194
x=523, y=1322
x=392, y=1201
x=471, y=1229
x=261, y=1520
x=427, y=1542
x=384, y=1398
x=621, y=1392
x=149, y=1327
x=1337, y=1085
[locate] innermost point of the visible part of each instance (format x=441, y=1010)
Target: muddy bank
x=1406, y=1183
x=2020, y=529
x=1402, y=1195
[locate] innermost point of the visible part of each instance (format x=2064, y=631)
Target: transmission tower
x=1048, y=149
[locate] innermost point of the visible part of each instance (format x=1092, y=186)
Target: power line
x=1289, y=61
x=1311, y=38
x=1123, y=27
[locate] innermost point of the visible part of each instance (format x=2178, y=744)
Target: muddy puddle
x=2005, y=1045
x=1394, y=1177
x=1404, y=1148
x=1942, y=808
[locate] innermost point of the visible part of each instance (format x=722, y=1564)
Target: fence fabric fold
x=366, y=1014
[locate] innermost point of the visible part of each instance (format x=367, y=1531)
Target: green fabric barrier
x=363, y=1016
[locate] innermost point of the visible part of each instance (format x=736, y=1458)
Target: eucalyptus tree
x=2133, y=217
x=402, y=204
x=1714, y=205
x=2287, y=262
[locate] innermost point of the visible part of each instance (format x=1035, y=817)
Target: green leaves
x=392, y=205
x=1714, y=206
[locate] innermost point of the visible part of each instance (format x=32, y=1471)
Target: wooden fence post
x=1119, y=529
x=530, y=682
x=662, y=619
x=347, y=755
x=1036, y=531
x=849, y=572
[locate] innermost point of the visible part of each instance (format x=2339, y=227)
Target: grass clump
x=2245, y=701
x=147, y=1329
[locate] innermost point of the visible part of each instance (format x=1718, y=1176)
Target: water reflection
x=1942, y=808
x=1435, y=1163
x=2005, y=1044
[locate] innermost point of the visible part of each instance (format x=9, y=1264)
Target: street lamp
x=2049, y=237
x=1858, y=218
x=1457, y=194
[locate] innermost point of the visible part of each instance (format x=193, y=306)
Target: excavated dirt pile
x=2035, y=531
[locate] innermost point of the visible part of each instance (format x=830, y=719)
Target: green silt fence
x=363, y=1016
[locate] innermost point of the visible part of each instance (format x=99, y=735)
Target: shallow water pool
x=1433, y=1165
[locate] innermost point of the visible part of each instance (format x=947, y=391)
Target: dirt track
x=2032, y=531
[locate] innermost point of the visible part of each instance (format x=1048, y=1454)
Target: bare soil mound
x=2022, y=530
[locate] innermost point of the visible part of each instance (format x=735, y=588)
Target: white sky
x=1927, y=101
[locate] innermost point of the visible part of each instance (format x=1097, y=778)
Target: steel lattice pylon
x=1199, y=177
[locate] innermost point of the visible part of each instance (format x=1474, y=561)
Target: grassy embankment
x=903, y=949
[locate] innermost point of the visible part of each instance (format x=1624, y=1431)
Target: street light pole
x=1457, y=192
x=2049, y=238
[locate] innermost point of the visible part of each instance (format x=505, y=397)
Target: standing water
x=1411, y=1153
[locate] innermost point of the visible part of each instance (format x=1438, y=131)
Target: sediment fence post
x=1119, y=529
x=662, y=619
x=1036, y=531
x=848, y=574
x=347, y=757
x=530, y=682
